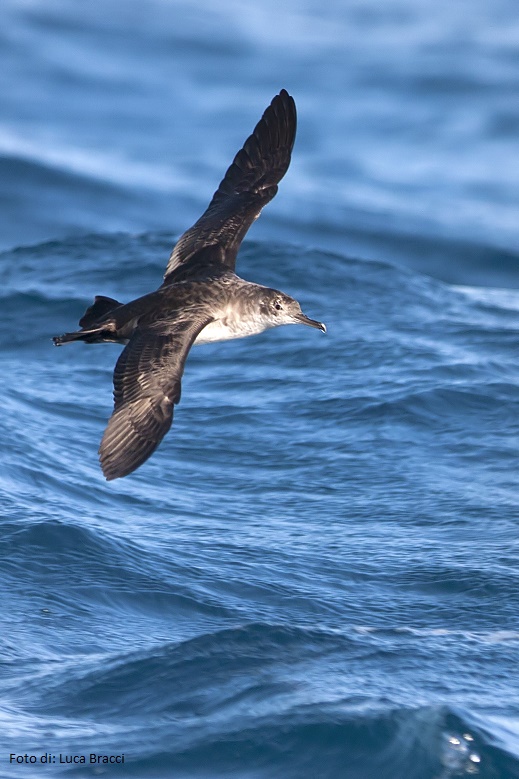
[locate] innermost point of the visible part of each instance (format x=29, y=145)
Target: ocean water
x=316, y=574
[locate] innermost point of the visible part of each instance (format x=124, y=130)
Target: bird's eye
x=278, y=306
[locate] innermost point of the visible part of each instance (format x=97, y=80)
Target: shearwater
x=200, y=300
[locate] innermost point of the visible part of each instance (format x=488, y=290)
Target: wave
x=262, y=697
x=456, y=407
x=44, y=161
x=426, y=743
x=43, y=185
x=299, y=743
x=217, y=705
x=83, y=567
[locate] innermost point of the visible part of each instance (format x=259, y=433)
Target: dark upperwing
x=147, y=380
x=249, y=184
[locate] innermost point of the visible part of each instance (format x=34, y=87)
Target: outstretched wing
x=249, y=184
x=147, y=380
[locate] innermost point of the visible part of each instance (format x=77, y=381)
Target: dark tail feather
x=101, y=306
x=92, y=332
x=90, y=336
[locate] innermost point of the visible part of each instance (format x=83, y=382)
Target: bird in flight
x=201, y=299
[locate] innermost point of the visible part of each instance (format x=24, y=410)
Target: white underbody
x=228, y=327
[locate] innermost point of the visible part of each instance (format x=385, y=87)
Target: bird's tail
x=90, y=336
x=99, y=308
x=92, y=330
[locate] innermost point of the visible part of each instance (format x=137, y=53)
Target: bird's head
x=280, y=309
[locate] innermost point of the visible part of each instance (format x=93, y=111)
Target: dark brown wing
x=147, y=380
x=249, y=184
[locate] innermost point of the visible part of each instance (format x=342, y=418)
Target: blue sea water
x=316, y=575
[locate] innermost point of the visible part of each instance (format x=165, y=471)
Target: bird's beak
x=305, y=320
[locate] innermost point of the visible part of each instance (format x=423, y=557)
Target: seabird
x=201, y=299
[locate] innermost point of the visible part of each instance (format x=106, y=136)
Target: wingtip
x=114, y=470
x=284, y=94
x=114, y=465
x=109, y=472
x=285, y=98
x=275, y=133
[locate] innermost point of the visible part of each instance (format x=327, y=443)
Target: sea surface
x=316, y=574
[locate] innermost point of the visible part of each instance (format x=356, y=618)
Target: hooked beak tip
x=305, y=320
